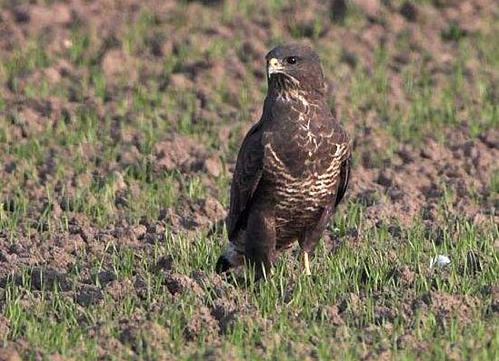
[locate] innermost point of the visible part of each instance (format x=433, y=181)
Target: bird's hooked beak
x=274, y=67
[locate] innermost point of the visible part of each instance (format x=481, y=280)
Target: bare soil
x=394, y=180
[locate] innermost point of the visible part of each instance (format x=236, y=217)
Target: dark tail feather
x=223, y=265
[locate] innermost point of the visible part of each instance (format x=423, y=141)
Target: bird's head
x=294, y=67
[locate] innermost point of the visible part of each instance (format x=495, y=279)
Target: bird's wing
x=344, y=177
x=246, y=177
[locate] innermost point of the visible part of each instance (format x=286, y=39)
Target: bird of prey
x=292, y=169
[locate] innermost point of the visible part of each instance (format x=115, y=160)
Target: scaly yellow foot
x=306, y=264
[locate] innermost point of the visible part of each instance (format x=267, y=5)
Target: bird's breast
x=304, y=191
x=302, y=159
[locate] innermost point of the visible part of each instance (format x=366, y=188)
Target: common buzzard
x=292, y=169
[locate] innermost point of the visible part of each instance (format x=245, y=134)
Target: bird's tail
x=230, y=258
x=223, y=264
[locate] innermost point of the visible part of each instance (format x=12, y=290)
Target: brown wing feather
x=344, y=178
x=247, y=174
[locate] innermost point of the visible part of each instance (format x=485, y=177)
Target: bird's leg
x=260, y=241
x=306, y=264
x=309, y=239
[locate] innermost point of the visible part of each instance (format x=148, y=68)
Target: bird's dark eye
x=291, y=60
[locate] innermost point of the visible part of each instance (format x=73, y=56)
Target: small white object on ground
x=440, y=260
